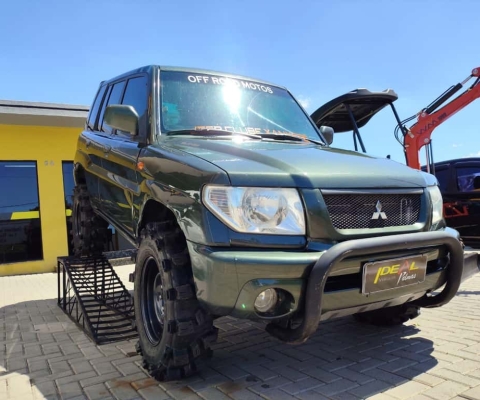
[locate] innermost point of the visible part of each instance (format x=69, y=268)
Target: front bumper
x=313, y=297
x=228, y=281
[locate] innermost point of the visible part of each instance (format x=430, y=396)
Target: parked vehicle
x=239, y=206
x=459, y=182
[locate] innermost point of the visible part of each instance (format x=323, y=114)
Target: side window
x=92, y=115
x=442, y=176
x=465, y=178
x=104, y=105
x=136, y=95
x=115, y=98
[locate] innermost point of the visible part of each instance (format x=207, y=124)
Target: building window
x=20, y=228
x=68, y=185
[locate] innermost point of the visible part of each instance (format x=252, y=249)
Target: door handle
x=88, y=143
x=107, y=148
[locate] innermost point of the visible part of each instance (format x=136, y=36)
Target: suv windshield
x=215, y=102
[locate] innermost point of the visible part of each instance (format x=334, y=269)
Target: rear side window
x=92, y=116
x=104, y=105
x=115, y=98
x=136, y=95
x=465, y=178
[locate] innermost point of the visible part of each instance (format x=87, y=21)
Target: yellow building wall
x=48, y=146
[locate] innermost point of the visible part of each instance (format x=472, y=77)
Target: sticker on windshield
x=220, y=80
x=247, y=129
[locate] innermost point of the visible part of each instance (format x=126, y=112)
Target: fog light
x=266, y=300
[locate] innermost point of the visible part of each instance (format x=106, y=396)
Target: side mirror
x=122, y=117
x=327, y=132
x=476, y=182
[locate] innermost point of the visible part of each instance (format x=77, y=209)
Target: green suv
x=238, y=205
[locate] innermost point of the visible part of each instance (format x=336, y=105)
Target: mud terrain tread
x=93, y=229
x=189, y=330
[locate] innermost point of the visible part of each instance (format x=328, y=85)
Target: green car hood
x=298, y=164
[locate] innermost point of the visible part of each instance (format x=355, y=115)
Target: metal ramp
x=93, y=296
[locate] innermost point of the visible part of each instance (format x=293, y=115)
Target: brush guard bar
x=368, y=247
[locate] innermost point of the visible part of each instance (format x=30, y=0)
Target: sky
x=58, y=51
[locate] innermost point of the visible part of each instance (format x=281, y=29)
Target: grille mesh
x=355, y=211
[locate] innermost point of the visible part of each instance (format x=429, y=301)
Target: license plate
x=384, y=275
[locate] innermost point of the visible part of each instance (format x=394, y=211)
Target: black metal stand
x=93, y=296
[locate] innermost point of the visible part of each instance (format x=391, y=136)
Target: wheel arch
x=154, y=211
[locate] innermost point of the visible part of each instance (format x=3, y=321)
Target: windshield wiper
x=259, y=136
x=217, y=132
x=284, y=136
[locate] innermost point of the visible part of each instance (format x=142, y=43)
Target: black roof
x=363, y=103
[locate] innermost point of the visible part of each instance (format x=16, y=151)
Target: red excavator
x=419, y=134
x=459, y=179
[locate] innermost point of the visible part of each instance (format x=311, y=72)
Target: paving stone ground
x=43, y=355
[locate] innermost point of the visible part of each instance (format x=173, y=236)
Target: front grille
x=356, y=211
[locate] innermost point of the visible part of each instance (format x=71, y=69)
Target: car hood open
x=363, y=104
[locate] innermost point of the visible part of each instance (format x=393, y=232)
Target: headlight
x=257, y=210
x=437, y=206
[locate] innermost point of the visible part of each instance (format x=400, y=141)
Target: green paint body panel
x=227, y=279
x=231, y=268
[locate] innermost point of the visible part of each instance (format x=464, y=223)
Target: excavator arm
x=419, y=134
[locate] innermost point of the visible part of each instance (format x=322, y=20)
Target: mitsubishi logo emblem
x=379, y=213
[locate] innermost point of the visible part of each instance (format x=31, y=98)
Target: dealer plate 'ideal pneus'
x=394, y=273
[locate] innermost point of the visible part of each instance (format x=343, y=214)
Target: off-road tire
x=390, y=316
x=89, y=231
x=187, y=331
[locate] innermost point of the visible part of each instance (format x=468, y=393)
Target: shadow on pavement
x=343, y=356
x=41, y=347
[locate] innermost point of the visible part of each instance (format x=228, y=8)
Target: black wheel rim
x=152, y=304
